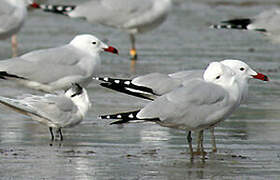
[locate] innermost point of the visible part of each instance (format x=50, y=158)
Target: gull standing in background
x=266, y=22
x=131, y=16
x=200, y=104
x=57, y=68
x=12, y=15
x=55, y=111
x=153, y=85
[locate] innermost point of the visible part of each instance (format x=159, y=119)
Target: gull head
x=219, y=74
x=243, y=71
x=91, y=44
x=79, y=97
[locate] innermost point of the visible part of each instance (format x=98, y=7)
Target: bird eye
x=218, y=77
x=242, y=69
x=93, y=42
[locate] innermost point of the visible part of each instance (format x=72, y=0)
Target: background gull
x=131, y=16
x=55, y=111
x=266, y=22
x=57, y=68
x=198, y=105
x=12, y=15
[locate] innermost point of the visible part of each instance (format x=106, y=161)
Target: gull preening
x=55, y=111
x=12, y=16
x=199, y=103
x=131, y=16
x=266, y=22
x=57, y=68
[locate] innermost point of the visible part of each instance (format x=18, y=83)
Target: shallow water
x=248, y=142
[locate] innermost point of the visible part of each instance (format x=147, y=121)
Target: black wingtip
x=5, y=75
x=57, y=9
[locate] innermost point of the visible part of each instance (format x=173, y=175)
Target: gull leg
x=14, y=45
x=201, y=144
x=213, y=140
x=189, y=138
x=60, y=134
x=133, y=53
x=51, y=131
x=198, y=141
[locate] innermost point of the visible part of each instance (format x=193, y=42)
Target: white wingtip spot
x=106, y=79
x=59, y=8
x=119, y=116
x=127, y=82
x=131, y=116
x=68, y=9
x=50, y=7
x=117, y=81
x=108, y=117
x=96, y=78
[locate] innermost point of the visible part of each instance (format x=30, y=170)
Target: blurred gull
x=12, y=15
x=55, y=111
x=241, y=77
x=266, y=22
x=132, y=16
x=57, y=68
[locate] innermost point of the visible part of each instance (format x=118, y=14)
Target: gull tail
x=57, y=9
x=126, y=117
x=126, y=86
x=5, y=75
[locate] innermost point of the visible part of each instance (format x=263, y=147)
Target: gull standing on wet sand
x=131, y=16
x=57, y=68
x=153, y=85
x=12, y=15
x=198, y=105
x=55, y=111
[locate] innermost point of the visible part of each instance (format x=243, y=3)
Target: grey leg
x=60, y=134
x=51, y=131
x=189, y=138
x=213, y=140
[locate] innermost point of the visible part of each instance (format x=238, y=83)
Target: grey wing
x=192, y=106
x=43, y=72
x=187, y=75
x=268, y=20
x=111, y=12
x=64, y=55
x=58, y=109
x=159, y=83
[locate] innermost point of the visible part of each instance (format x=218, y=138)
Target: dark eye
x=218, y=77
x=93, y=42
x=242, y=69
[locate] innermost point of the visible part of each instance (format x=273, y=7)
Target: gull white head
x=243, y=71
x=79, y=97
x=91, y=44
x=219, y=74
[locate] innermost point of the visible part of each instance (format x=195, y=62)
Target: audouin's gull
x=131, y=16
x=57, y=68
x=55, y=111
x=199, y=104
